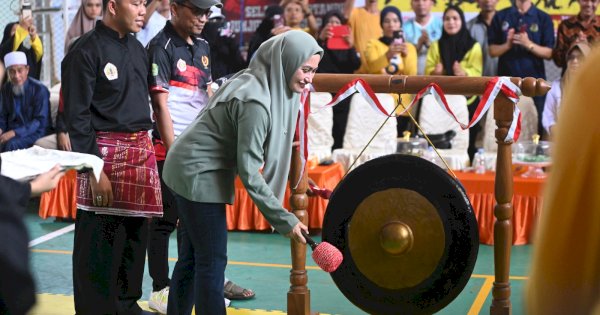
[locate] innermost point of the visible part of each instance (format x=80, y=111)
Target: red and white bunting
x=494, y=87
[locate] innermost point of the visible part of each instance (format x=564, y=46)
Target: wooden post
x=503, y=210
x=298, y=297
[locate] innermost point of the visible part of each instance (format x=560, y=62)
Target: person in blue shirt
x=24, y=106
x=522, y=36
x=422, y=30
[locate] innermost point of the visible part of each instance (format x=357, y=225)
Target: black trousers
x=108, y=263
x=159, y=231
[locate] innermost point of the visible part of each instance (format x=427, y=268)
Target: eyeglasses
x=197, y=11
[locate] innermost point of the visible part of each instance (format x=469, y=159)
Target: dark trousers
x=200, y=270
x=539, y=105
x=340, y=120
x=108, y=263
x=159, y=231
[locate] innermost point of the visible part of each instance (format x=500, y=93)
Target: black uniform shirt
x=104, y=86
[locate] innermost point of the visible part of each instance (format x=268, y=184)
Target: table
x=527, y=205
x=244, y=215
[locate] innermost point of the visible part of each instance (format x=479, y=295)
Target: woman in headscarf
x=574, y=58
x=337, y=61
x=390, y=53
x=456, y=53
x=565, y=267
x=84, y=20
x=251, y=119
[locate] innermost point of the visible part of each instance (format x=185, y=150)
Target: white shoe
x=159, y=300
x=227, y=302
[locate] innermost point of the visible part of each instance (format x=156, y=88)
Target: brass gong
x=408, y=235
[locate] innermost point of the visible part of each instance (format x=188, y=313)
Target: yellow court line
x=484, y=292
x=253, y=264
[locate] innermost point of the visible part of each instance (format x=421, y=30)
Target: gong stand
x=298, y=297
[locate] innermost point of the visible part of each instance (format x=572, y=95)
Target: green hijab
x=265, y=81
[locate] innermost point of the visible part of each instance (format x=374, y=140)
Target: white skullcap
x=15, y=58
x=215, y=13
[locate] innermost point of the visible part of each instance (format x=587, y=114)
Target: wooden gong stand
x=298, y=297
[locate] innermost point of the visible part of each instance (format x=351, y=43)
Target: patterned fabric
x=568, y=32
x=130, y=164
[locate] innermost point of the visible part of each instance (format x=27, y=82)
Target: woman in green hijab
x=249, y=123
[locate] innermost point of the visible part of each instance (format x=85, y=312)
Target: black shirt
x=104, y=87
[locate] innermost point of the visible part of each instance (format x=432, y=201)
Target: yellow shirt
x=36, y=44
x=365, y=26
x=376, y=58
x=472, y=62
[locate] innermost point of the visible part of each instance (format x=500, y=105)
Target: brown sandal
x=235, y=292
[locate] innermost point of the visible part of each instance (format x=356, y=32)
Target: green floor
x=261, y=261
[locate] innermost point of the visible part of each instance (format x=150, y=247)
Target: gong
x=408, y=235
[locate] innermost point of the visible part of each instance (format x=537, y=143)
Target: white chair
x=434, y=120
x=54, y=98
x=529, y=123
x=363, y=122
x=320, y=123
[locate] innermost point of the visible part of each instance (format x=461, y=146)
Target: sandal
x=235, y=292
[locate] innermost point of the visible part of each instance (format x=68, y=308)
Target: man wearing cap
x=24, y=106
x=178, y=78
x=105, y=95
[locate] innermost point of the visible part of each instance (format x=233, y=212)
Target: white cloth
x=320, y=123
x=155, y=24
x=15, y=58
x=551, y=106
x=28, y=163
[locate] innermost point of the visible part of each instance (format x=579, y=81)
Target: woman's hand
x=326, y=33
x=438, y=70
x=296, y=233
x=349, y=38
x=458, y=70
x=102, y=195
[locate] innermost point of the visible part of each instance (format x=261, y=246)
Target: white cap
x=215, y=12
x=15, y=58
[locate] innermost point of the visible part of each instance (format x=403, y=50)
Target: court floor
x=257, y=260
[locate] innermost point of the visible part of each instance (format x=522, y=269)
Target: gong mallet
x=325, y=255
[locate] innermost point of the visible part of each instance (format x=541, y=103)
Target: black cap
x=203, y=4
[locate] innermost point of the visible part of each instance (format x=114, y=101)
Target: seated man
x=24, y=106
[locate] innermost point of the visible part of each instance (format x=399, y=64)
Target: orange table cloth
x=244, y=215
x=527, y=205
x=61, y=202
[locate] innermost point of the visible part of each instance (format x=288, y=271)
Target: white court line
x=52, y=235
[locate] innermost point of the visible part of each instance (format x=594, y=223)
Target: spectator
x=584, y=27
x=22, y=36
x=478, y=28
x=224, y=47
x=456, y=53
x=337, y=61
x=522, y=36
x=264, y=30
x=575, y=57
x=365, y=25
x=294, y=13
x=422, y=30
x=25, y=109
x=17, y=290
x=158, y=12
x=389, y=54
x=84, y=20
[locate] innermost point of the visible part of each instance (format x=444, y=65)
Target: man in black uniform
x=106, y=111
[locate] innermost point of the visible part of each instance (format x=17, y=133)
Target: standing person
x=522, y=36
x=478, y=28
x=17, y=290
x=295, y=12
x=105, y=95
x=84, y=21
x=365, y=25
x=250, y=120
x=265, y=29
x=158, y=12
x=422, y=30
x=225, y=55
x=22, y=36
x=584, y=27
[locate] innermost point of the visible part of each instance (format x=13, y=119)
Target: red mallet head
x=327, y=256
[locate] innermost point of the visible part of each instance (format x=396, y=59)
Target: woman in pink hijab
x=84, y=20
